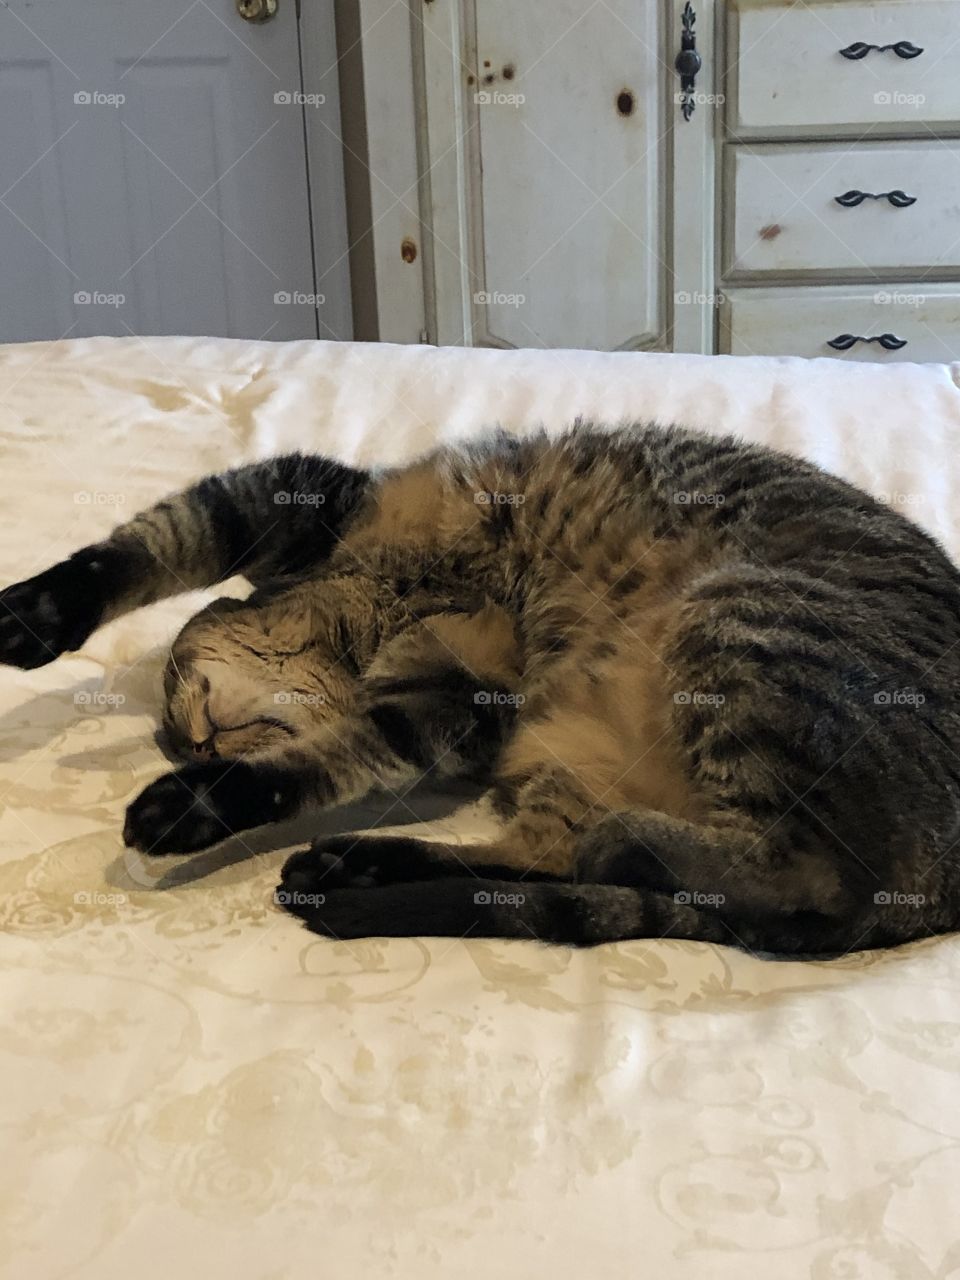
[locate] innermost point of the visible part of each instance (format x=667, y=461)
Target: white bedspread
x=193, y=1086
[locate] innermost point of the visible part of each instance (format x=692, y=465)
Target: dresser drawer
x=786, y=217
x=801, y=322
x=788, y=74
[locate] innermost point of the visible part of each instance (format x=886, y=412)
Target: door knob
x=256, y=10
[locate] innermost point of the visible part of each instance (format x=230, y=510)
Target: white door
x=153, y=173
x=567, y=196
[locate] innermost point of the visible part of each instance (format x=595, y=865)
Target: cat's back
x=596, y=503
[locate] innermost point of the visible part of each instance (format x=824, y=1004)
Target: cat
x=711, y=688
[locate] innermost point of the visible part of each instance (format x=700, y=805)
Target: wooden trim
x=322, y=135
x=692, y=202
x=391, y=164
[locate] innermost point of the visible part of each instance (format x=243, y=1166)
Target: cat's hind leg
x=771, y=893
x=579, y=915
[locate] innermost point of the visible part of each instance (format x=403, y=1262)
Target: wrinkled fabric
x=193, y=1085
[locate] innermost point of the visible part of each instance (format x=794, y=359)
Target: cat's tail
x=585, y=915
x=277, y=517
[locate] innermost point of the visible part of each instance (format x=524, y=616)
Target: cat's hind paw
x=356, y=862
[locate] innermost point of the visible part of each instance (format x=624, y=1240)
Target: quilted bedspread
x=191, y=1085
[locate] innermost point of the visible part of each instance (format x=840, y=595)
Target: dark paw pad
x=55, y=611
x=357, y=862
x=202, y=804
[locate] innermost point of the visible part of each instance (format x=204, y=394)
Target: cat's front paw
x=202, y=804
x=53, y=612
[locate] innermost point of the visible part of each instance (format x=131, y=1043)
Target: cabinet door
x=565, y=193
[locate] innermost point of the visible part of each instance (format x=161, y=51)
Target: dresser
x=748, y=177
x=840, y=192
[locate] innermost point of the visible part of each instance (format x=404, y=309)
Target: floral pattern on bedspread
x=193, y=1085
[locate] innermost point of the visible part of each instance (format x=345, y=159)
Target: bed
x=192, y=1085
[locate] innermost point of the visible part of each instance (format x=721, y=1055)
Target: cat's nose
x=206, y=750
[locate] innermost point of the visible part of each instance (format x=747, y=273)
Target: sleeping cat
x=711, y=688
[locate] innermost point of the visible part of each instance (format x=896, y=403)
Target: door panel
x=570, y=114
x=548, y=153
x=33, y=273
x=150, y=182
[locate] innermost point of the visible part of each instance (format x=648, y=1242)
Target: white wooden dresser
x=840, y=187
x=773, y=177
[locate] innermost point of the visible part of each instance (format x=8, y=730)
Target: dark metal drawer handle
x=858, y=50
x=688, y=61
x=899, y=199
x=889, y=341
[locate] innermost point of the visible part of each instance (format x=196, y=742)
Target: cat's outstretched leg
x=537, y=843
x=262, y=520
x=518, y=886
x=371, y=886
x=578, y=915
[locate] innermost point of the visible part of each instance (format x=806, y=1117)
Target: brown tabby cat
x=713, y=689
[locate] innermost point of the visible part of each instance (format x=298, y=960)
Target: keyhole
x=625, y=102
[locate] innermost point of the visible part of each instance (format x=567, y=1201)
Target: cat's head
x=232, y=692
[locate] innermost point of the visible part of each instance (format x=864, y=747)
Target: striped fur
x=711, y=687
